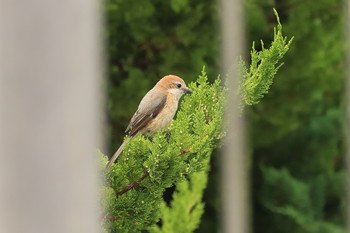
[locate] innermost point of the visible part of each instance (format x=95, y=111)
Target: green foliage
x=151, y=167
x=173, y=216
x=186, y=208
x=136, y=183
x=257, y=80
x=296, y=203
x=297, y=130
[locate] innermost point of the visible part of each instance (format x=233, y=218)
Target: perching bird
x=156, y=110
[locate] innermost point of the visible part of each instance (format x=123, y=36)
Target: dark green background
x=296, y=132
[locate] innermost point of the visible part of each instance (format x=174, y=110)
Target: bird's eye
x=178, y=85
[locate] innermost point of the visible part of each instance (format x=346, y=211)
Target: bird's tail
x=117, y=153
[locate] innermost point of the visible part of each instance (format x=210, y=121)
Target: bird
x=155, y=111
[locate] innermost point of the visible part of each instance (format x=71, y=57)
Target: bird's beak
x=187, y=90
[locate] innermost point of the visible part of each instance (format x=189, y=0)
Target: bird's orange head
x=174, y=84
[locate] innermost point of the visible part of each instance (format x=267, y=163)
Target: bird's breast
x=165, y=116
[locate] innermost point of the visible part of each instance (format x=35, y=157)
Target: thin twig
x=186, y=151
x=132, y=185
x=111, y=217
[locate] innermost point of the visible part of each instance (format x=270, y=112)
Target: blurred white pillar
x=50, y=78
x=234, y=166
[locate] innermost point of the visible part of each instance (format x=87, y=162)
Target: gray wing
x=149, y=108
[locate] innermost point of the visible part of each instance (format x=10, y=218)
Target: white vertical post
x=50, y=78
x=234, y=167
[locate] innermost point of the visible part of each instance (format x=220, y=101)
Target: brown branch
x=186, y=151
x=132, y=185
x=111, y=217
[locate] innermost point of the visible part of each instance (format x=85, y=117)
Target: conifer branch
x=137, y=183
x=258, y=76
x=132, y=185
